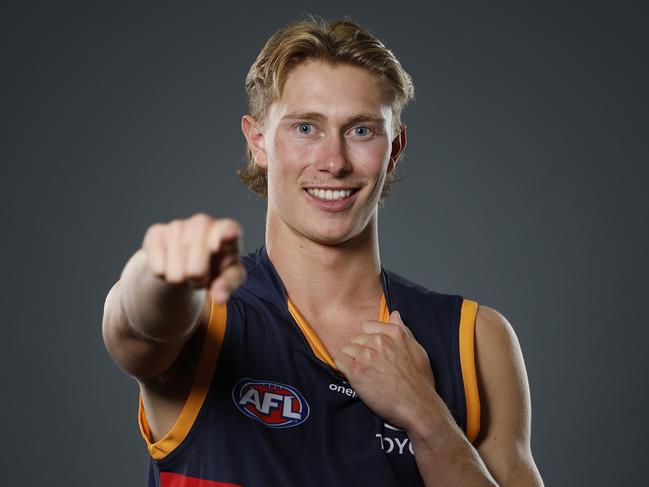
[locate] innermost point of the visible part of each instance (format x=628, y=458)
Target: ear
x=398, y=145
x=255, y=137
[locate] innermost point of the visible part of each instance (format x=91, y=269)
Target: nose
x=333, y=157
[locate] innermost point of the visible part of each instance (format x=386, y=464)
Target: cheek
x=286, y=154
x=372, y=158
x=284, y=165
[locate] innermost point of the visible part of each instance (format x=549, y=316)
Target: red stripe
x=169, y=479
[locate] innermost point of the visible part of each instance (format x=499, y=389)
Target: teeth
x=327, y=194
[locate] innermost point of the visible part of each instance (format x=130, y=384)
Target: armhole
x=198, y=392
x=468, y=315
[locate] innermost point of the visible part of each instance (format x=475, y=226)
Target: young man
x=307, y=363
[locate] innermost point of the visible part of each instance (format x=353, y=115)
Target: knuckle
x=152, y=232
x=200, y=220
x=369, y=355
x=231, y=223
x=197, y=261
x=393, y=330
x=154, y=228
x=175, y=226
x=195, y=271
x=154, y=267
x=201, y=216
x=174, y=277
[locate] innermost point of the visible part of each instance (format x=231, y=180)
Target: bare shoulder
x=502, y=379
x=492, y=328
x=505, y=419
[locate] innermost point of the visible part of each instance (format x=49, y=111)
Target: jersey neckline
x=317, y=347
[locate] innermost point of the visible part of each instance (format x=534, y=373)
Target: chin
x=326, y=238
x=331, y=237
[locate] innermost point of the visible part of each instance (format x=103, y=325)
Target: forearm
x=444, y=456
x=157, y=309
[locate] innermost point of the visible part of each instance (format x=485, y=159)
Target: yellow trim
x=314, y=341
x=312, y=337
x=384, y=312
x=198, y=392
x=467, y=362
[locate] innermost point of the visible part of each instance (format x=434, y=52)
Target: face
x=327, y=147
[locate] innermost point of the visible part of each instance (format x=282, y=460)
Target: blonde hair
x=339, y=41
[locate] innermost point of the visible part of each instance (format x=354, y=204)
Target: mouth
x=327, y=194
x=332, y=200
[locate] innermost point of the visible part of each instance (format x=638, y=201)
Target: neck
x=318, y=276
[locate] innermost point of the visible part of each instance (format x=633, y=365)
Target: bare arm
x=504, y=439
x=152, y=314
x=391, y=373
x=148, y=320
x=503, y=452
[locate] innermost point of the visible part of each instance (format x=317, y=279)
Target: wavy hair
x=339, y=41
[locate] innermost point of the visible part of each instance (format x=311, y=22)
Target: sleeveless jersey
x=268, y=408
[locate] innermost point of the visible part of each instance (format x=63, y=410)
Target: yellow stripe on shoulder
x=198, y=393
x=468, y=315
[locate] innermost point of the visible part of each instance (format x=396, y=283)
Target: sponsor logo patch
x=273, y=404
x=395, y=440
x=347, y=391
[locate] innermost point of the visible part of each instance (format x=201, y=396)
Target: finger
x=234, y=276
x=218, y=292
x=154, y=247
x=358, y=352
x=355, y=357
x=220, y=261
x=175, y=252
x=363, y=339
x=376, y=341
x=394, y=330
x=227, y=282
x=373, y=327
x=224, y=233
x=344, y=363
x=395, y=317
x=198, y=259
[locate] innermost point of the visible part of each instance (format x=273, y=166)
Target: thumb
x=395, y=317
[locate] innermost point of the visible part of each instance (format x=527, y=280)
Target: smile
x=329, y=194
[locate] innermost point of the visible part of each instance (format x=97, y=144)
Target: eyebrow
x=319, y=117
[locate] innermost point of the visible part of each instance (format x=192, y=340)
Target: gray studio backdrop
x=524, y=188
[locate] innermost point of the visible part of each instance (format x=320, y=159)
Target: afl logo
x=271, y=403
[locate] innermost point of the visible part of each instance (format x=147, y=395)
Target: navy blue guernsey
x=268, y=408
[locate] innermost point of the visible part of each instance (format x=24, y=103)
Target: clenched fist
x=201, y=251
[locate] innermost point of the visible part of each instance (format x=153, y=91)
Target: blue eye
x=305, y=128
x=362, y=131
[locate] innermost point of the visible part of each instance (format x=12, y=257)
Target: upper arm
x=504, y=439
x=139, y=356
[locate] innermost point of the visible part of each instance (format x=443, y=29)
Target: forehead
x=335, y=90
